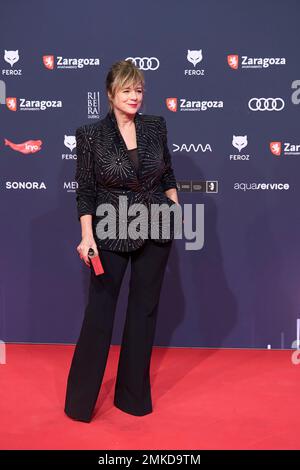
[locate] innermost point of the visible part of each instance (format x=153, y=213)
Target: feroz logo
x=275, y=148
x=239, y=141
x=70, y=142
x=11, y=57
x=48, y=61
x=194, y=56
x=171, y=104
x=233, y=61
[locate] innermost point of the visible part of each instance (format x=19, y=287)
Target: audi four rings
x=145, y=63
x=266, y=104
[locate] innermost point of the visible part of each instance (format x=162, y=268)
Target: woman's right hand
x=83, y=248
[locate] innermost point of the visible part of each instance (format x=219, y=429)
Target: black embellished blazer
x=104, y=171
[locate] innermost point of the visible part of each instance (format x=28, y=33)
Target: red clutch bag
x=96, y=262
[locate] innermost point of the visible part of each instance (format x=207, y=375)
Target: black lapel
x=140, y=137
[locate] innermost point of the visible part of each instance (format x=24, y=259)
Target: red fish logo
x=233, y=61
x=30, y=146
x=48, y=61
x=171, y=104
x=11, y=103
x=275, y=148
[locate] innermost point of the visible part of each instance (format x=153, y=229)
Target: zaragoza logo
x=171, y=104
x=275, y=148
x=48, y=61
x=254, y=62
x=233, y=61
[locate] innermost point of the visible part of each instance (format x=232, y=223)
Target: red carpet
x=202, y=399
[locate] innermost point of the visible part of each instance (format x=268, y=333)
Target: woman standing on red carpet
x=123, y=159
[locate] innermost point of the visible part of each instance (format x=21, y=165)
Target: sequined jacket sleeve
x=84, y=175
x=168, y=179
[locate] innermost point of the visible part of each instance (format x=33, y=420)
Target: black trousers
x=132, y=389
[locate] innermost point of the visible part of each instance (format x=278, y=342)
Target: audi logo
x=266, y=104
x=145, y=63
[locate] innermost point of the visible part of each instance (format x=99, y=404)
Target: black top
x=133, y=154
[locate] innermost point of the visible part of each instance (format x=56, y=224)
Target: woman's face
x=128, y=99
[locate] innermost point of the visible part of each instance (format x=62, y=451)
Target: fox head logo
x=70, y=142
x=171, y=104
x=48, y=61
x=11, y=57
x=275, y=148
x=11, y=103
x=233, y=61
x=239, y=141
x=194, y=56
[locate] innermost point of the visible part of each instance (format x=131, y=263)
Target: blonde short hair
x=121, y=73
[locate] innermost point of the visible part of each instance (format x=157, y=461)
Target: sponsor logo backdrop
x=226, y=77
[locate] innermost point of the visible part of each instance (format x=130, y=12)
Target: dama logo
x=233, y=61
x=48, y=61
x=30, y=146
x=11, y=103
x=171, y=104
x=275, y=148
